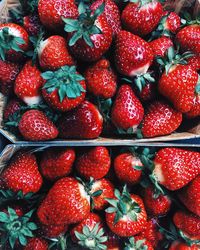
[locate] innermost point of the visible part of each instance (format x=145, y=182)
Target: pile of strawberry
x=101, y=198
x=80, y=69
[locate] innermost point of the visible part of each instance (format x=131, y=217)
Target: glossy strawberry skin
x=12, y=107
x=177, y=245
x=173, y=21
x=194, y=62
x=124, y=168
x=160, y=119
x=35, y=126
x=36, y=244
x=52, y=231
x=195, y=110
x=22, y=174
x=161, y=45
x=179, y=86
x=94, y=163
x=51, y=12
x=142, y=20
x=133, y=55
x=127, y=111
x=175, y=168
x=32, y=24
x=83, y=122
x=148, y=92
x=57, y=163
x=53, y=53
x=65, y=203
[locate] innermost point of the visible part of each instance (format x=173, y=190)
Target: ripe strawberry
x=177, y=245
x=138, y=243
x=35, y=126
x=69, y=90
x=53, y=53
x=160, y=119
x=22, y=174
x=32, y=24
x=188, y=223
x=190, y=196
x=161, y=45
x=101, y=80
x=51, y=12
x=53, y=231
x=126, y=216
x=128, y=168
x=111, y=12
x=195, y=110
x=188, y=38
x=36, y=244
x=156, y=204
x=14, y=42
x=194, y=62
x=148, y=92
x=171, y=21
x=11, y=108
x=133, y=55
x=8, y=74
x=127, y=111
x=28, y=84
x=91, y=35
x=175, y=168
x=84, y=122
x=57, y=163
x=107, y=191
x=142, y=17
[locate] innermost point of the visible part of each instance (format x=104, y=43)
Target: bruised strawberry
x=36, y=244
x=11, y=108
x=161, y=45
x=32, y=24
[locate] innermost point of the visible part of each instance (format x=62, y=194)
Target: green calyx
x=123, y=205
x=16, y=228
x=9, y=42
x=189, y=20
x=141, y=80
x=66, y=80
x=83, y=27
x=136, y=245
x=92, y=238
x=197, y=88
x=161, y=30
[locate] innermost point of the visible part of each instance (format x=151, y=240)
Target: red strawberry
x=57, y=163
x=11, y=108
x=195, y=110
x=128, y=168
x=53, y=53
x=101, y=80
x=36, y=244
x=141, y=17
x=28, y=84
x=111, y=12
x=133, y=218
x=113, y=241
x=8, y=74
x=127, y=111
x=22, y=174
x=161, y=45
x=32, y=24
x=156, y=204
x=69, y=90
x=53, y=231
x=148, y=92
x=84, y=122
x=177, y=245
x=51, y=12
x=35, y=126
x=189, y=37
x=160, y=119
x=133, y=55
x=94, y=163
x=66, y=202
x=171, y=21
x=190, y=196
x=107, y=191
x=138, y=243
x=194, y=62
x=175, y=168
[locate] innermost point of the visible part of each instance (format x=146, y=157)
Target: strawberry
x=175, y=168
x=68, y=91
x=113, y=241
x=94, y=163
x=194, y=62
x=56, y=164
x=188, y=38
x=35, y=126
x=161, y=45
x=36, y=244
x=190, y=196
x=111, y=12
x=51, y=12
x=128, y=168
x=53, y=231
x=148, y=92
x=66, y=202
x=8, y=74
x=141, y=17
x=127, y=111
x=177, y=245
x=188, y=223
x=22, y=174
x=28, y=84
x=53, y=53
x=171, y=21
x=160, y=119
x=126, y=216
x=133, y=55
x=89, y=233
x=11, y=108
x=32, y=24
x=84, y=122
x=91, y=35
x=101, y=80
x=107, y=191
x=14, y=42
x=138, y=243
x=195, y=110
x=155, y=203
